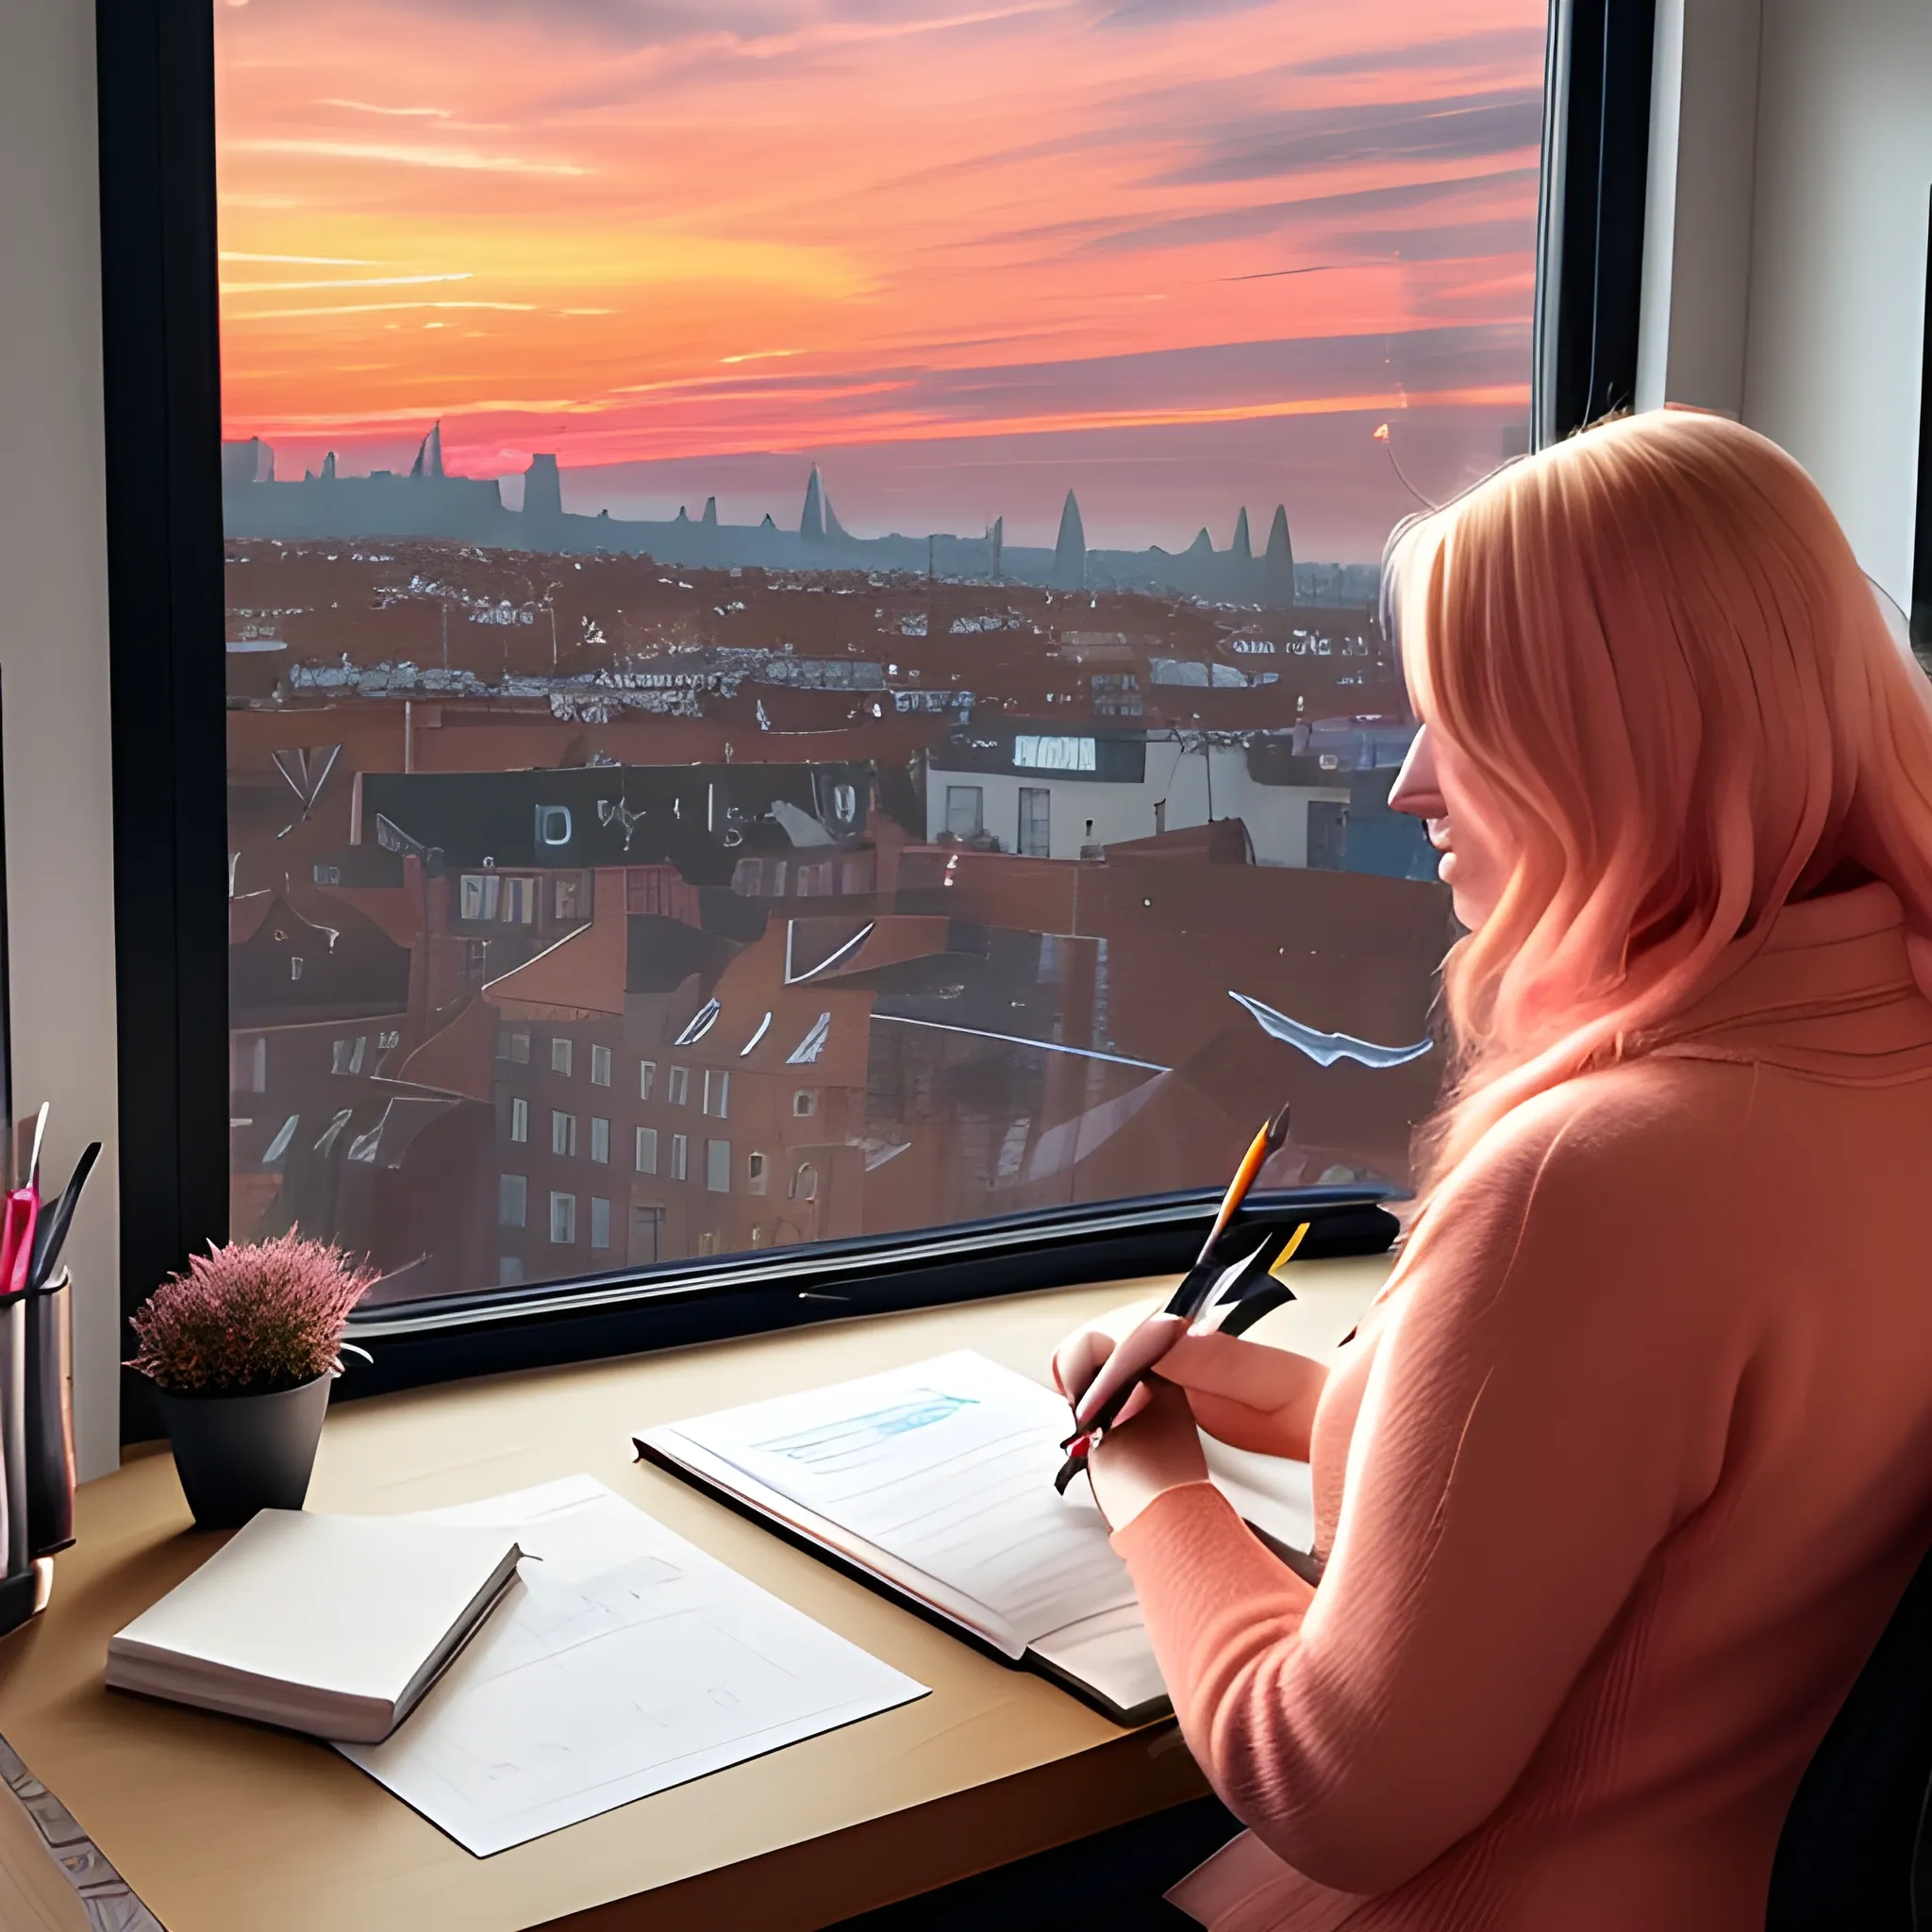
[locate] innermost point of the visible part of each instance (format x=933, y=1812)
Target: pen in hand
x=1100, y=1403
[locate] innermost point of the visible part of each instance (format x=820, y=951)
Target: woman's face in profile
x=1439, y=785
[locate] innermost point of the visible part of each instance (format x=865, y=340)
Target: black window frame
x=160, y=349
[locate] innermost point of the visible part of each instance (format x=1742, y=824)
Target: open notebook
x=935, y=1483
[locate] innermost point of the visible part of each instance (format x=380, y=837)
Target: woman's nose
x=1416, y=790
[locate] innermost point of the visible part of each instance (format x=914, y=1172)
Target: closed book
x=329, y=1624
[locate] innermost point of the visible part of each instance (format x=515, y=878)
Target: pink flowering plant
x=249, y=1318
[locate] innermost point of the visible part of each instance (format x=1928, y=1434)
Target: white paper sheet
x=623, y=1662
x=948, y=1465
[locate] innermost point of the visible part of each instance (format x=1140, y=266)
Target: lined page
x=947, y=1465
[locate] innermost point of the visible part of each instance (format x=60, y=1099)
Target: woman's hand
x=1135, y=1461
x=1244, y=1393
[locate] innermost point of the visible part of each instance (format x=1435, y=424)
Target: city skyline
x=1164, y=253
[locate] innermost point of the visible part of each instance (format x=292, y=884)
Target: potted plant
x=241, y=1350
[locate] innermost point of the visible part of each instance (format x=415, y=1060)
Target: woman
x=1621, y=1476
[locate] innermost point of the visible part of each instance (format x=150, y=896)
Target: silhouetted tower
x=835, y=530
x=1070, y=550
x=544, y=490
x=1277, y=565
x=996, y=542
x=429, y=463
x=711, y=516
x=328, y=467
x=811, y=525
x=1241, y=549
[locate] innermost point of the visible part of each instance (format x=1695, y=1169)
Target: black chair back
x=1853, y=1855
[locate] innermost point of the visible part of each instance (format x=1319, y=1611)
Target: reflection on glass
x=1012, y=834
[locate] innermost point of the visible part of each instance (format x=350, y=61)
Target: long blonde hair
x=1653, y=642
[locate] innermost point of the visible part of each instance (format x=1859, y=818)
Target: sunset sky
x=1180, y=255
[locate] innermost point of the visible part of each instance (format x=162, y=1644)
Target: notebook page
x=623, y=1662
x=948, y=1465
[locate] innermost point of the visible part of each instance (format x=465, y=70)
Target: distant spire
x=811, y=525
x=429, y=463
x=834, y=530
x=1202, y=544
x=1240, y=548
x=1278, y=567
x=328, y=467
x=683, y=515
x=997, y=538
x=1070, y=550
x=544, y=490
x=710, y=515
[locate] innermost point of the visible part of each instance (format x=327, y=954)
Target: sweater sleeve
x=1542, y=1410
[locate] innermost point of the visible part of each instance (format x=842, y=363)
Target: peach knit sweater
x=1616, y=1488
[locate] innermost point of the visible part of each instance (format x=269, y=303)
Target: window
x=563, y=1219
x=1036, y=818
x=965, y=810
x=512, y=1198
x=515, y=825
x=600, y=1222
x=509, y=1270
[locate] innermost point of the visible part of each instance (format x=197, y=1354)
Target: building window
x=804, y=1102
x=717, y=1092
x=1036, y=821
x=563, y=1218
x=563, y=1132
x=250, y=1064
x=718, y=1167
x=647, y=1150
x=520, y=902
x=813, y=1045
x=559, y=1054
x=512, y=1200
x=965, y=810
x=600, y=1222
x=509, y=1270
x=678, y=1090
x=755, y=1174
x=600, y=1139
x=513, y=1045
x=520, y=1120
x=295, y=966
x=805, y=1183
x=679, y=1157
x=708, y=1244
x=1031, y=754
x=600, y=1066
x=478, y=895
x=569, y=904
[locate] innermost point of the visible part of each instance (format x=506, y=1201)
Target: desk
x=221, y=1826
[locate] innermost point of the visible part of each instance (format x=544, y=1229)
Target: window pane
x=600, y=1222
x=933, y=805
x=718, y=1166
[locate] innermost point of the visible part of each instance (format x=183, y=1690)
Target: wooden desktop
x=221, y=1826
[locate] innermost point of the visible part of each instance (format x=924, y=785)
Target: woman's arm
x=1523, y=1448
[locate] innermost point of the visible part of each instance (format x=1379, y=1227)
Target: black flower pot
x=238, y=1454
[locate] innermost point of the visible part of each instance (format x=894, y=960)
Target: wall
x=1784, y=271
x=54, y=650
x=1838, y=258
